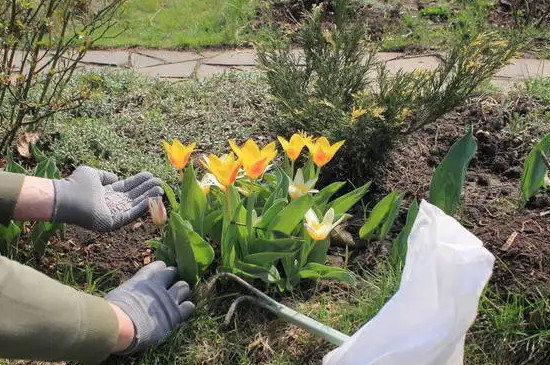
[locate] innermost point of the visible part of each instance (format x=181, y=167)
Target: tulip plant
x=264, y=222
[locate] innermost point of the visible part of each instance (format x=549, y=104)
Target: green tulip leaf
x=344, y=203
x=535, y=169
x=448, y=179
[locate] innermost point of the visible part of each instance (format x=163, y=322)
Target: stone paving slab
x=411, y=64
x=139, y=61
x=183, y=70
x=520, y=69
x=186, y=64
x=233, y=58
x=107, y=58
x=389, y=56
x=170, y=56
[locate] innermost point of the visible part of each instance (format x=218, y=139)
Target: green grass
x=511, y=330
x=256, y=337
x=203, y=23
x=538, y=88
x=182, y=23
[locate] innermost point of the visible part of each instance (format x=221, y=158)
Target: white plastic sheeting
x=425, y=322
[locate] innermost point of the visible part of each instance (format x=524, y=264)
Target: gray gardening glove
x=96, y=200
x=154, y=303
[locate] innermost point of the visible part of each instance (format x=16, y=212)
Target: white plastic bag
x=425, y=322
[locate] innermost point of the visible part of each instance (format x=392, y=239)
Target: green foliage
x=39, y=233
x=41, y=46
x=119, y=128
x=448, y=179
x=345, y=202
x=326, y=90
x=258, y=230
x=192, y=203
x=539, y=88
x=400, y=245
x=193, y=255
x=337, y=62
x=381, y=217
x=535, y=170
x=9, y=236
x=439, y=11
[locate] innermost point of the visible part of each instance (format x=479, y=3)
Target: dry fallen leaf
x=138, y=224
x=24, y=143
x=341, y=237
x=510, y=241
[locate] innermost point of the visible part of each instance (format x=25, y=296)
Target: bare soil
x=519, y=237
x=122, y=252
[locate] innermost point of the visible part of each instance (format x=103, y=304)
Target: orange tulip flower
x=322, y=152
x=224, y=169
x=178, y=153
x=255, y=161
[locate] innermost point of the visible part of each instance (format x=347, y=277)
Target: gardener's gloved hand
x=154, y=304
x=96, y=200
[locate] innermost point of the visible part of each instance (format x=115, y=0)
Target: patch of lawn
x=182, y=23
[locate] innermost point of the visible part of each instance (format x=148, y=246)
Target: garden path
x=180, y=65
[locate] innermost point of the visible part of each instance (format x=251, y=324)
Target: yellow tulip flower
x=254, y=160
x=322, y=152
x=294, y=146
x=320, y=230
x=224, y=169
x=178, y=153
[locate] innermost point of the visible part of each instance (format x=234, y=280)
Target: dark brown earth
x=121, y=253
x=490, y=210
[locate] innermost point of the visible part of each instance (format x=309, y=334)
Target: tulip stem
x=226, y=251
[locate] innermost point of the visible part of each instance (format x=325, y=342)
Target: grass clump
x=539, y=88
x=511, y=330
x=121, y=128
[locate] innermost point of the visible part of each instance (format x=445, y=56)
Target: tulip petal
x=328, y=218
x=311, y=217
x=299, y=177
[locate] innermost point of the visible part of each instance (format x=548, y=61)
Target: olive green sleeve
x=10, y=187
x=42, y=319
